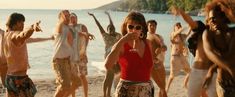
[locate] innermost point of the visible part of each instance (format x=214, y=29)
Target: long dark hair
x=13, y=19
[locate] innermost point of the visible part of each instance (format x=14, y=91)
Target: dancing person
x=218, y=41
x=178, y=60
x=133, y=52
x=66, y=78
x=202, y=64
x=80, y=42
x=158, y=59
x=3, y=62
x=110, y=39
x=17, y=82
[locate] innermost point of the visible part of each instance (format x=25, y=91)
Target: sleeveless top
x=16, y=55
x=79, y=43
x=76, y=29
x=133, y=67
x=62, y=47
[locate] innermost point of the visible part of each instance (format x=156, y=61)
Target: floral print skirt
x=134, y=89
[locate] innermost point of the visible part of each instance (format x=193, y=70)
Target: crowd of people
x=132, y=57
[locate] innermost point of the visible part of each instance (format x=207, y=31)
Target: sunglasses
x=136, y=27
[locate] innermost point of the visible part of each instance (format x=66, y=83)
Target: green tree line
x=161, y=5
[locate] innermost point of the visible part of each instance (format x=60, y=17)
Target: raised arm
x=110, y=20
x=186, y=17
x=97, y=23
x=20, y=38
x=188, y=33
x=32, y=40
x=175, y=33
x=228, y=10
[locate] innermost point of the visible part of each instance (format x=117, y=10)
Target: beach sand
x=46, y=88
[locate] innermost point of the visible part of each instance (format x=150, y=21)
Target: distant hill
x=111, y=6
x=154, y=6
x=136, y=5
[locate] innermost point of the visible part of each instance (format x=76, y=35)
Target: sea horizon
x=40, y=54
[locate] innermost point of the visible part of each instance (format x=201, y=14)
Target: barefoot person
x=17, y=82
x=178, y=60
x=110, y=39
x=157, y=47
x=61, y=58
x=80, y=42
x=134, y=54
x=201, y=62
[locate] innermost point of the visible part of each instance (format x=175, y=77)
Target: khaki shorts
x=178, y=63
x=82, y=66
x=64, y=72
x=75, y=76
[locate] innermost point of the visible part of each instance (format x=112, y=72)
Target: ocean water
x=40, y=54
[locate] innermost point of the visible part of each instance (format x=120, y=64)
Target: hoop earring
x=142, y=35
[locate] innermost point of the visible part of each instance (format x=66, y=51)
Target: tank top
x=75, y=55
x=133, y=67
x=62, y=47
x=79, y=43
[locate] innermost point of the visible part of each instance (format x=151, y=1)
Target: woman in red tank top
x=133, y=52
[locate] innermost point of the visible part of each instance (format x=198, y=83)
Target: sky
x=52, y=4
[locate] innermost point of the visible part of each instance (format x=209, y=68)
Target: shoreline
x=47, y=87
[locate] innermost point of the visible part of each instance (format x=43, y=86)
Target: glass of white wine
x=134, y=48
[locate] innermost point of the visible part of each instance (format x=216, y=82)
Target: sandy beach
x=46, y=88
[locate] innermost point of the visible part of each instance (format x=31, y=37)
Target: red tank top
x=133, y=67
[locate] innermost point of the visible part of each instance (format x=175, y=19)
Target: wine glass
x=133, y=46
x=134, y=49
